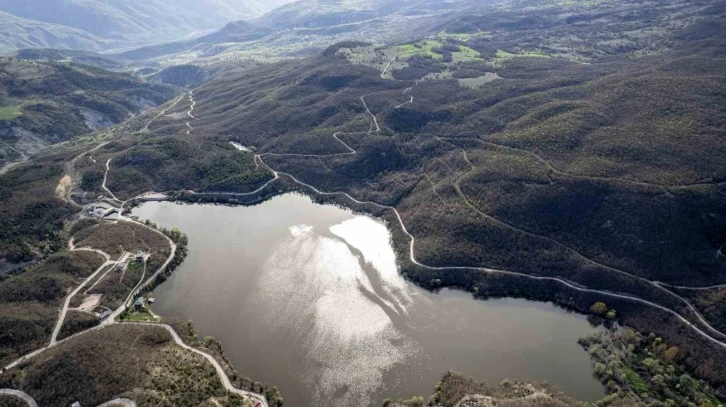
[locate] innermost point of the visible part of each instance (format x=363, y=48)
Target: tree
x=671, y=354
x=611, y=314
x=599, y=308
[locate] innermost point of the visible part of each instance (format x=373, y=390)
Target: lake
x=308, y=298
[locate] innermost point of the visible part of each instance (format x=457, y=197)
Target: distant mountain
x=128, y=22
x=327, y=13
x=237, y=31
x=324, y=13
x=103, y=61
x=306, y=27
x=18, y=33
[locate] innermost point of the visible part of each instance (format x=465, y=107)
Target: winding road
x=105, y=177
x=19, y=394
x=31, y=403
x=162, y=113
x=375, y=127
x=190, y=111
x=220, y=371
x=111, y=320
x=66, y=304
x=412, y=240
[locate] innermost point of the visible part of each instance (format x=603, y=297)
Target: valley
x=538, y=157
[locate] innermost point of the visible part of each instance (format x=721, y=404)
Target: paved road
x=386, y=68
x=32, y=403
x=66, y=304
x=225, y=380
x=412, y=256
x=191, y=111
x=122, y=308
x=111, y=320
x=105, y=176
x=19, y=394
x=119, y=402
x=162, y=113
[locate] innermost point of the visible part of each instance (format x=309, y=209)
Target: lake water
x=307, y=297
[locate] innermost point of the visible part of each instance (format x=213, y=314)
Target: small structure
x=76, y=404
x=139, y=304
x=105, y=314
x=151, y=300
x=100, y=211
x=120, y=266
x=140, y=255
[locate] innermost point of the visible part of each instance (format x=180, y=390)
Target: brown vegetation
x=30, y=302
x=137, y=362
x=116, y=238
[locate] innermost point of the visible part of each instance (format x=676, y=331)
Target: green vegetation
x=31, y=218
x=479, y=80
x=607, y=174
x=214, y=347
x=138, y=316
x=422, y=48
x=117, y=285
x=601, y=310
x=167, y=163
x=10, y=112
x=637, y=371
x=454, y=388
x=710, y=303
x=634, y=366
x=47, y=103
x=527, y=54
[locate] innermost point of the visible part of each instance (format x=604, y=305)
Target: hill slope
x=43, y=103
x=609, y=175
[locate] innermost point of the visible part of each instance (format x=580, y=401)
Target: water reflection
x=308, y=297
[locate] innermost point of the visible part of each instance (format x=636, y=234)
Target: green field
x=10, y=112
x=466, y=54
x=527, y=54
x=420, y=48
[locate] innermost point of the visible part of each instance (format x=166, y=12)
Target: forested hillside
x=47, y=103
x=605, y=171
x=569, y=152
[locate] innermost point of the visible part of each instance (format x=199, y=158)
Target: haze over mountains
x=103, y=24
